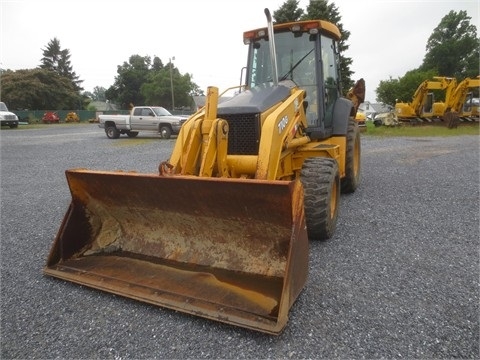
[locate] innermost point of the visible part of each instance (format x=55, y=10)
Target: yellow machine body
x=219, y=232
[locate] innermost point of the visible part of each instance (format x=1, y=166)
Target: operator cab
x=307, y=54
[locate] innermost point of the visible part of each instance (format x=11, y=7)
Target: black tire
x=165, y=132
x=352, y=159
x=112, y=132
x=132, y=134
x=14, y=126
x=321, y=182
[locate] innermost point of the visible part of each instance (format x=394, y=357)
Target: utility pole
x=171, y=82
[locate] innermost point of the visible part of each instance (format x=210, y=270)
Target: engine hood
x=257, y=99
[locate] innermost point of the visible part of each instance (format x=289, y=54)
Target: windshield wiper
x=284, y=77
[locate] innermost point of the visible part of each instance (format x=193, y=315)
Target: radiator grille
x=244, y=133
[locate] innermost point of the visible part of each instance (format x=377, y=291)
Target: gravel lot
x=400, y=278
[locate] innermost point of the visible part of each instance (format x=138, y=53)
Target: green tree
x=320, y=10
x=289, y=11
x=387, y=91
x=453, y=48
x=99, y=93
x=57, y=60
x=402, y=89
x=39, y=89
x=131, y=76
x=141, y=81
x=158, y=89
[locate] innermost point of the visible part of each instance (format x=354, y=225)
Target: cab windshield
x=297, y=60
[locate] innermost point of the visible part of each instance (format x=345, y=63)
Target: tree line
x=452, y=50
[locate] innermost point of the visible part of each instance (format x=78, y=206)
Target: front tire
x=321, y=182
x=352, y=159
x=112, y=132
x=166, y=132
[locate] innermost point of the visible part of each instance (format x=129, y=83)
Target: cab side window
x=147, y=112
x=330, y=77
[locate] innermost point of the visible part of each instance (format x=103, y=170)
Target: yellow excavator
x=461, y=101
x=421, y=108
x=455, y=107
x=222, y=230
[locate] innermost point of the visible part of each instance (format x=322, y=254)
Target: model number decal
x=282, y=124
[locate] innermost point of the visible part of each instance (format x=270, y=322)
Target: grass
x=24, y=126
x=421, y=130
x=382, y=131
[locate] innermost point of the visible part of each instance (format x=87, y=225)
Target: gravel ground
x=400, y=278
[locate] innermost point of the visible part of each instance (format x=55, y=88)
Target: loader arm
x=201, y=143
x=282, y=131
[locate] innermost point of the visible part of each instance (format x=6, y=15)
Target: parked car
x=148, y=118
x=7, y=118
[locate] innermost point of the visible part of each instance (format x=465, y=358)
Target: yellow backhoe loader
x=222, y=230
x=421, y=108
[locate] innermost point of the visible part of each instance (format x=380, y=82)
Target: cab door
x=143, y=118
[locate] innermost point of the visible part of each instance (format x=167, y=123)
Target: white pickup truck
x=7, y=118
x=142, y=118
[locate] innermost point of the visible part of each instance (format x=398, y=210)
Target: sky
x=388, y=37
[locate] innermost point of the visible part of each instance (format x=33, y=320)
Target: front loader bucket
x=231, y=250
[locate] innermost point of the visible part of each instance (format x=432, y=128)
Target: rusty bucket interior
x=231, y=250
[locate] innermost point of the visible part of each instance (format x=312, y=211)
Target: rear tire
x=112, y=132
x=352, y=159
x=166, y=132
x=321, y=182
